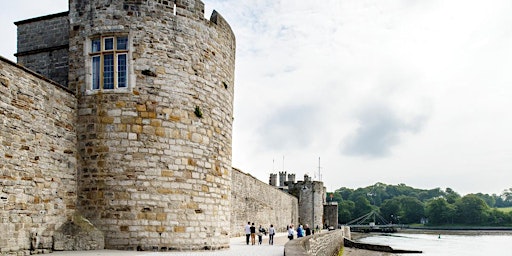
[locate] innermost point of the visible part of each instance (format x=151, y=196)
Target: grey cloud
x=379, y=130
x=289, y=128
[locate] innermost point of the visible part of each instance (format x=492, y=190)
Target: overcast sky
x=403, y=91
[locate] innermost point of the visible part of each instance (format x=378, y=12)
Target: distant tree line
x=401, y=204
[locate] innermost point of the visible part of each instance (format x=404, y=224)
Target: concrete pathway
x=237, y=248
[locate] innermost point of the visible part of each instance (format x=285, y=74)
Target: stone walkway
x=237, y=248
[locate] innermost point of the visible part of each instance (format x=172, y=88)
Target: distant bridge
x=372, y=222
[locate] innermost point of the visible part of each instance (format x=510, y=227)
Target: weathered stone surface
x=163, y=178
x=327, y=243
x=38, y=161
x=77, y=235
x=255, y=201
x=43, y=46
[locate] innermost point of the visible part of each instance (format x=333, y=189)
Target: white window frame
x=95, y=65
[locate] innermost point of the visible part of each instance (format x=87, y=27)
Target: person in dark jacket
x=308, y=230
x=261, y=232
x=253, y=234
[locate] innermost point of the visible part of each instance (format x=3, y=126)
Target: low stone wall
x=255, y=201
x=327, y=243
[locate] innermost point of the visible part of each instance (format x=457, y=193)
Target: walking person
x=247, y=232
x=261, y=231
x=253, y=234
x=300, y=231
x=308, y=230
x=290, y=232
x=271, y=233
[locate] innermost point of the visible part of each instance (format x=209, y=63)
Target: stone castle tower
x=155, y=149
x=154, y=82
x=311, y=196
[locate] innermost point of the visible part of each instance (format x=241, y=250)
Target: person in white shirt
x=271, y=233
x=247, y=232
x=291, y=232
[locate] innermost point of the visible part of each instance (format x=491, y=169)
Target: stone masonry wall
x=311, y=204
x=155, y=158
x=43, y=44
x=255, y=201
x=331, y=215
x=311, y=195
x=322, y=244
x=38, y=159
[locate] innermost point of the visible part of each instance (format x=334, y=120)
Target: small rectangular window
x=108, y=71
x=96, y=67
x=96, y=45
x=122, y=43
x=109, y=43
x=122, y=70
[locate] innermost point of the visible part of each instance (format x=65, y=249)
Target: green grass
x=505, y=209
x=340, y=253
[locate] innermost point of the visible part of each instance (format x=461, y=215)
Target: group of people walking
x=250, y=233
x=301, y=231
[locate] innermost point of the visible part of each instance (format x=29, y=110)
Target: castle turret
x=273, y=179
x=282, y=179
x=154, y=81
x=291, y=178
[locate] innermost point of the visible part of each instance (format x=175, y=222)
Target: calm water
x=447, y=245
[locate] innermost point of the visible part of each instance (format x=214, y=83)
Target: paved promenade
x=237, y=248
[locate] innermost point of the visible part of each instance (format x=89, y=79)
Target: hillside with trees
x=402, y=204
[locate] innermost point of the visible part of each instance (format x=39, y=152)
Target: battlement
x=192, y=9
x=186, y=8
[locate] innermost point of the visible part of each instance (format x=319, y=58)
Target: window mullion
x=101, y=71
x=115, y=69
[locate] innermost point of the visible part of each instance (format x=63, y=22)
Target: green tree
x=344, y=192
x=499, y=218
x=412, y=209
x=439, y=211
x=451, y=196
x=390, y=210
x=507, y=197
x=345, y=211
x=362, y=206
x=471, y=210
x=489, y=200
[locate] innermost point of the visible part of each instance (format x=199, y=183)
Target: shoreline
x=347, y=251
x=465, y=232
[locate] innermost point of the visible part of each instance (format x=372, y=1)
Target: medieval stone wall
x=311, y=195
x=38, y=159
x=155, y=157
x=150, y=164
x=255, y=201
x=43, y=44
x=331, y=214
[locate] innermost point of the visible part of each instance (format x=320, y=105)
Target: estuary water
x=446, y=244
